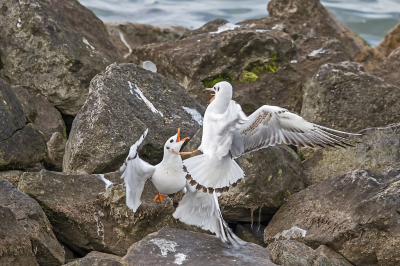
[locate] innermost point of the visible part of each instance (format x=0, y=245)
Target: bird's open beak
x=210, y=89
x=178, y=134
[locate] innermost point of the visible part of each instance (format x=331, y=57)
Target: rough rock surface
x=11, y=176
x=378, y=149
x=173, y=246
x=389, y=70
x=98, y=259
x=56, y=150
x=87, y=217
x=356, y=214
x=35, y=224
x=251, y=233
x=27, y=102
x=15, y=246
x=294, y=253
x=125, y=36
x=312, y=19
x=53, y=47
x=342, y=96
x=265, y=64
x=390, y=42
x=124, y=101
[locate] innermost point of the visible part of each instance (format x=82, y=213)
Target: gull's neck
x=171, y=159
x=220, y=104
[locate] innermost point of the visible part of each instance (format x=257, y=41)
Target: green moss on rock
x=248, y=77
x=214, y=80
x=271, y=67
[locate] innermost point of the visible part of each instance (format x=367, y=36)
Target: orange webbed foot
x=159, y=197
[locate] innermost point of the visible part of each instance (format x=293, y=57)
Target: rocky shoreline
x=74, y=98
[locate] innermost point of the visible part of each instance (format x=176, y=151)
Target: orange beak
x=178, y=136
x=213, y=98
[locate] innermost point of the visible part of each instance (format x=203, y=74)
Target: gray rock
x=124, y=101
x=251, y=233
x=36, y=226
x=56, y=150
x=11, y=176
x=55, y=48
x=15, y=246
x=356, y=214
x=97, y=258
x=390, y=42
x=378, y=149
x=342, y=96
x=173, y=246
x=27, y=102
x=389, y=70
x=294, y=253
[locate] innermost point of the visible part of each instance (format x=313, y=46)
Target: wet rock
x=389, y=70
x=124, y=101
x=54, y=48
x=355, y=214
x=264, y=63
x=11, y=176
x=56, y=150
x=97, y=258
x=15, y=246
x=87, y=217
x=378, y=149
x=390, y=42
x=34, y=224
x=294, y=253
x=173, y=246
x=312, y=19
x=27, y=102
x=342, y=96
x=251, y=233
x=125, y=36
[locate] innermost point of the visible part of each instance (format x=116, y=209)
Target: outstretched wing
x=202, y=210
x=135, y=172
x=271, y=125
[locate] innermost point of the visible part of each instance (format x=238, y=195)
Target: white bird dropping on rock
x=148, y=65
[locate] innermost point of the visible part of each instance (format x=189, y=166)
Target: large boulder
x=11, y=176
x=124, y=101
x=97, y=258
x=36, y=226
x=312, y=19
x=125, y=35
x=389, y=70
x=294, y=253
x=356, y=214
x=377, y=148
x=342, y=96
x=56, y=151
x=27, y=102
x=173, y=246
x=55, y=48
x=90, y=215
x=265, y=64
x=390, y=42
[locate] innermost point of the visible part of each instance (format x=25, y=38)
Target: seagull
x=195, y=208
x=228, y=134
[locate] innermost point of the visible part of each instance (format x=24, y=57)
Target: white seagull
x=196, y=207
x=228, y=133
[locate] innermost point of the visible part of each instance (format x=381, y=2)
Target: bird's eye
x=217, y=88
x=171, y=140
x=167, y=148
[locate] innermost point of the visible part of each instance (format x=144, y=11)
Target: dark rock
x=294, y=253
x=173, y=246
x=87, y=217
x=251, y=233
x=378, y=149
x=55, y=48
x=97, y=258
x=35, y=224
x=312, y=19
x=15, y=246
x=56, y=150
x=27, y=102
x=342, y=96
x=389, y=70
x=125, y=36
x=355, y=214
x=390, y=42
x=11, y=176
x=118, y=110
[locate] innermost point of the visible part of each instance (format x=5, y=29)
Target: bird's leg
x=159, y=197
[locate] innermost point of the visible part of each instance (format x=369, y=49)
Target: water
x=371, y=19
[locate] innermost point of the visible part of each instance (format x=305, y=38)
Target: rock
x=125, y=36
x=342, y=96
x=97, y=258
x=27, y=102
x=34, y=223
x=312, y=19
x=49, y=119
x=390, y=42
x=11, y=176
x=173, y=246
x=124, y=101
x=265, y=65
x=249, y=233
x=389, y=70
x=378, y=149
x=55, y=48
x=294, y=253
x=15, y=246
x=355, y=214
x=56, y=150
x=88, y=217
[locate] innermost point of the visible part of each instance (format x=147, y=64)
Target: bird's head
x=174, y=143
x=222, y=90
